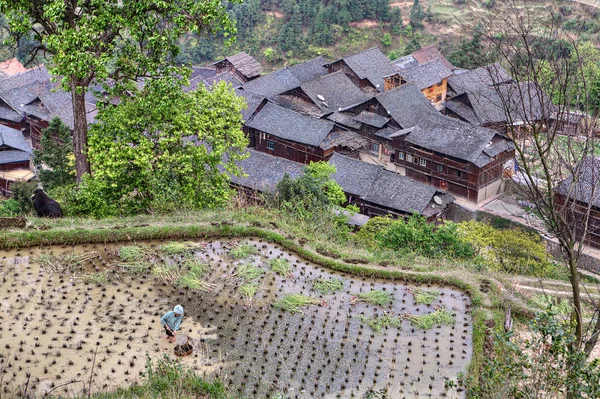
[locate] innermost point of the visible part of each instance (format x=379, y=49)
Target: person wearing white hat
x=172, y=321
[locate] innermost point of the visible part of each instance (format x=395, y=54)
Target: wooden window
x=416, y=160
x=483, y=177
x=457, y=173
x=423, y=162
x=375, y=148
x=440, y=168
x=409, y=158
x=271, y=145
x=400, y=156
x=438, y=98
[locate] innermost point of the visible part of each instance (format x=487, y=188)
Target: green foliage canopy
x=163, y=149
x=56, y=161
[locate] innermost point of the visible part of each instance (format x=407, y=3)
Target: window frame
x=270, y=145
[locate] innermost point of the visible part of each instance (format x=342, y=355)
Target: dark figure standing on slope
x=172, y=321
x=45, y=206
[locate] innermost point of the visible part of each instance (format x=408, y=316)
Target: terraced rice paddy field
x=259, y=318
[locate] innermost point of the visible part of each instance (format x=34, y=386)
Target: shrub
x=9, y=207
x=386, y=40
x=22, y=192
x=367, y=234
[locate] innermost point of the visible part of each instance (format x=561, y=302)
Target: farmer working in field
x=172, y=321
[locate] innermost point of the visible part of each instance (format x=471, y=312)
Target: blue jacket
x=173, y=322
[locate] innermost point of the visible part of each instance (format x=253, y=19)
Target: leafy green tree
x=290, y=37
x=471, y=54
x=396, y=21
x=416, y=15
x=414, y=44
x=165, y=149
x=311, y=194
x=386, y=39
x=94, y=41
x=55, y=161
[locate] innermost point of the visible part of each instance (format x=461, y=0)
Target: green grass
x=249, y=272
x=425, y=297
x=430, y=320
x=376, y=297
x=132, y=253
x=169, y=274
x=196, y=267
x=559, y=305
x=135, y=267
x=167, y=379
x=192, y=282
x=97, y=278
x=280, y=266
x=293, y=302
x=378, y=322
x=242, y=251
x=326, y=287
x=177, y=248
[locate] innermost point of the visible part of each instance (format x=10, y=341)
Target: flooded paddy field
x=259, y=318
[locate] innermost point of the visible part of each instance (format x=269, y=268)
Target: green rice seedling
x=330, y=286
x=169, y=274
x=177, y=248
x=280, y=266
x=293, y=302
x=132, y=253
x=97, y=278
x=242, y=251
x=249, y=272
x=436, y=318
x=376, y=297
x=425, y=297
x=196, y=267
x=248, y=290
x=137, y=267
x=194, y=283
x=378, y=322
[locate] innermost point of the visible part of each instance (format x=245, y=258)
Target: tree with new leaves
x=550, y=164
x=165, y=149
x=55, y=162
x=100, y=41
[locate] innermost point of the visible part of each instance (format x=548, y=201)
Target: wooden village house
x=15, y=159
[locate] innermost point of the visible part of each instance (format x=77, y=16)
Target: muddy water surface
x=53, y=326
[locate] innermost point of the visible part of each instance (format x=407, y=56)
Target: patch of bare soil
x=365, y=23
x=275, y=14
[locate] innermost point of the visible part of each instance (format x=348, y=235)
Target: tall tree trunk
x=80, y=130
x=576, y=317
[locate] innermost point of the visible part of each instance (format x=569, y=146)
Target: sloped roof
x=583, y=187
x=427, y=74
x=12, y=156
x=272, y=84
x=431, y=53
x=13, y=139
x=11, y=67
x=344, y=119
x=289, y=125
x=337, y=90
x=462, y=110
x=253, y=102
x=371, y=119
x=452, y=137
x=309, y=70
x=406, y=105
x=245, y=64
x=371, y=64
x=265, y=171
x=379, y=186
x=480, y=78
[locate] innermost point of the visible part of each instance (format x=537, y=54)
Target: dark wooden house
x=241, y=65
x=15, y=159
x=579, y=196
x=463, y=159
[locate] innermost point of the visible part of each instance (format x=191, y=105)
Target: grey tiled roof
x=245, y=64
x=406, y=105
x=253, y=102
x=452, y=137
x=394, y=191
x=309, y=70
x=429, y=53
x=584, y=188
x=379, y=186
x=13, y=139
x=408, y=61
x=272, y=84
x=462, y=110
x=427, y=74
x=265, y=171
x=480, y=78
x=353, y=175
x=289, y=125
x=371, y=119
x=12, y=156
x=344, y=119
x=386, y=132
x=338, y=91
x=370, y=63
